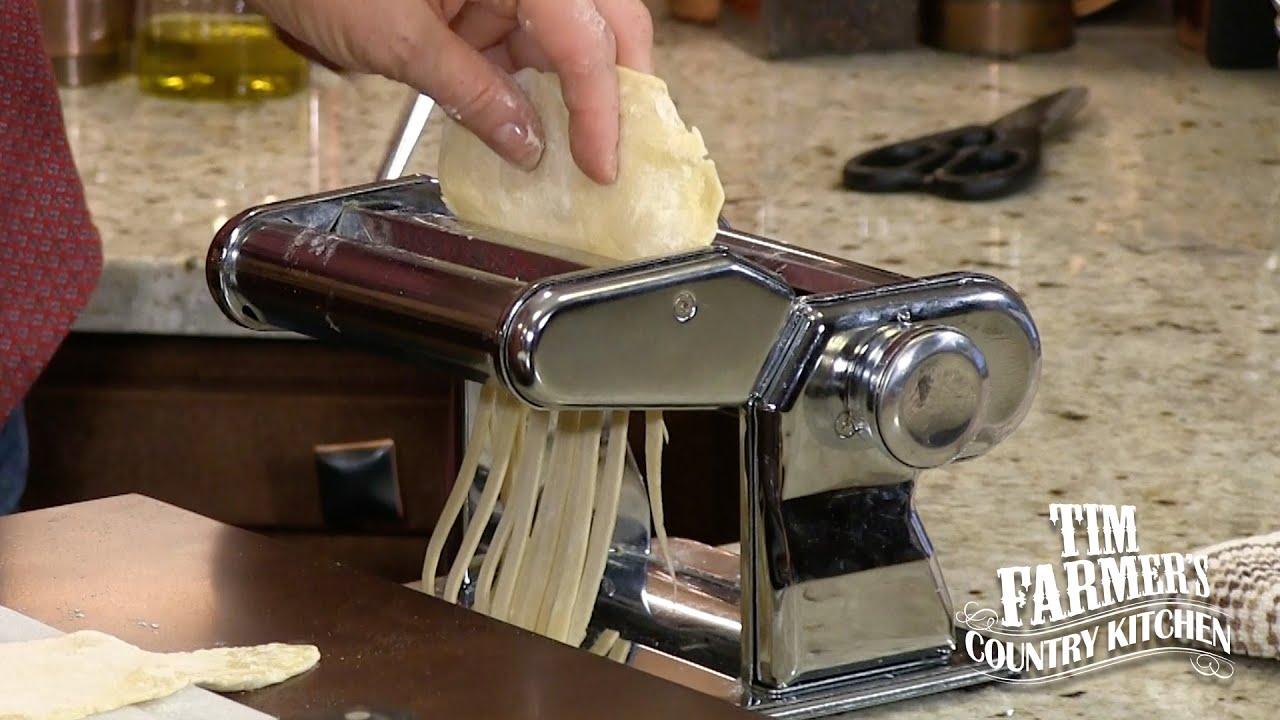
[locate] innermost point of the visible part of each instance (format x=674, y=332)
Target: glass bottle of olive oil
x=213, y=50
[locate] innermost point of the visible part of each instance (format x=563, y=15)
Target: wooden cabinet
x=228, y=428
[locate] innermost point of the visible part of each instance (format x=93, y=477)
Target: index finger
x=581, y=48
x=632, y=32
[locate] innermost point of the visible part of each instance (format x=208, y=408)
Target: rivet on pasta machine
x=685, y=307
x=846, y=426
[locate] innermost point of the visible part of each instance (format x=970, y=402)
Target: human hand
x=461, y=53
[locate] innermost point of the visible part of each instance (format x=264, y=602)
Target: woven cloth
x=50, y=255
x=1244, y=576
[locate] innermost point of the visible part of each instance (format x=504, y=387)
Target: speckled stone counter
x=1148, y=254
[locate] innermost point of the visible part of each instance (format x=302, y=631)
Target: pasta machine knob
x=924, y=390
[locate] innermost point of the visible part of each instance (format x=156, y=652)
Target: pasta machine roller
x=847, y=381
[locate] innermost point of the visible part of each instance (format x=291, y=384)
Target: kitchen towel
x=1245, y=583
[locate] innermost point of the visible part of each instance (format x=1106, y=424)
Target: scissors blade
x=1046, y=114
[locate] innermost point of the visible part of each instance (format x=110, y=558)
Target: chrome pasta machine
x=847, y=382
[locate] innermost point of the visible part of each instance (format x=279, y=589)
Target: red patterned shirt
x=50, y=254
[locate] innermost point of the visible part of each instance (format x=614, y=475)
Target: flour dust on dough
x=667, y=197
x=85, y=673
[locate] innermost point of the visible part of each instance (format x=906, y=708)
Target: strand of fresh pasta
x=547, y=559
x=519, y=514
x=545, y=563
x=507, y=423
x=604, y=642
x=604, y=519
x=570, y=552
x=497, y=546
x=620, y=651
x=477, y=445
x=482, y=600
x=560, y=519
x=610, y=644
x=655, y=437
x=532, y=583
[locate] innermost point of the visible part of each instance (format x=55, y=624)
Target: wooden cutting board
x=200, y=583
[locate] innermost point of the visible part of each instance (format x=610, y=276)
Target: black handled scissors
x=974, y=162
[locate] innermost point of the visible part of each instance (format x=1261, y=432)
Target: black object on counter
x=359, y=488
x=789, y=28
x=1241, y=34
x=974, y=162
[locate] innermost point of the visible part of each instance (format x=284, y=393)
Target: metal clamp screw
x=686, y=306
x=847, y=427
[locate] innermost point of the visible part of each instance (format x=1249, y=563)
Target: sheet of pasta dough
x=667, y=197
x=73, y=676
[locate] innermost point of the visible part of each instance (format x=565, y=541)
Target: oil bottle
x=213, y=50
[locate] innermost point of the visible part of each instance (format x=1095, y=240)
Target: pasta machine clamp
x=847, y=380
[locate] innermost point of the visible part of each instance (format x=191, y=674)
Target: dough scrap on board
x=84, y=673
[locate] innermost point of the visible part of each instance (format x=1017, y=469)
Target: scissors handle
x=990, y=172
x=971, y=163
x=908, y=165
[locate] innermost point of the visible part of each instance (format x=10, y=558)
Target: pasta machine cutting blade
x=848, y=382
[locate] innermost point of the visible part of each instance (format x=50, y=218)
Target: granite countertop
x=1147, y=253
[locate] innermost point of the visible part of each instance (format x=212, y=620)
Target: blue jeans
x=13, y=461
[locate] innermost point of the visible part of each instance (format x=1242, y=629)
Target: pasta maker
x=847, y=381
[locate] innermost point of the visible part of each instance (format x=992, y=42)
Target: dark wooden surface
x=227, y=428
x=129, y=562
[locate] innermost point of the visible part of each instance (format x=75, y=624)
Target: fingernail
x=519, y=144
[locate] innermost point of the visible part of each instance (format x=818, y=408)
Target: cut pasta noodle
x=511, y=421
x=604, y=519
x=556, y=477
x=611, y=644
x=532, y=584
x=620, y=651
x=604, y=642
x=655, y=438
x=476, y=446
x=570, y=554
x=506, y=423
x=520, y=513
